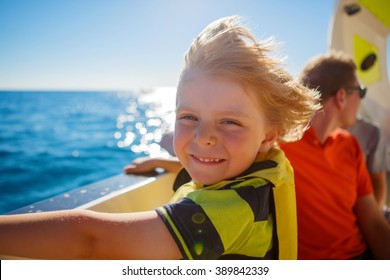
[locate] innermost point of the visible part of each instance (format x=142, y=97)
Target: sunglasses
x=362, y=90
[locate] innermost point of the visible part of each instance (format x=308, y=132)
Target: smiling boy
x=222, y=139
x=234, y=104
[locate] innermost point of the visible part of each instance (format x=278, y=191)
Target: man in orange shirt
x=338, y=216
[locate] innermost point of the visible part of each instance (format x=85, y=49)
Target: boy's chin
x=206, y=180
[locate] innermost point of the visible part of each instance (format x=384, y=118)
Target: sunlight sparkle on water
x=143, y=126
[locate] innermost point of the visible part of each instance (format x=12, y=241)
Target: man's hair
x=328, y=73
x=227, y=49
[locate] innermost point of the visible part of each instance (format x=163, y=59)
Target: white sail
x=361, y=28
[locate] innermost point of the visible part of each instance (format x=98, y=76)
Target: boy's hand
x=141, y=165
x=147, y=164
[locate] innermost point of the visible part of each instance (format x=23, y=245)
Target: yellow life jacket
x=275, y=168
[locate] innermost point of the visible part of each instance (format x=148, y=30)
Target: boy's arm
x=83, y=234
x=147, y=164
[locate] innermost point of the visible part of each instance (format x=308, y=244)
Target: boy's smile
x=208, y=160
x=219, y=127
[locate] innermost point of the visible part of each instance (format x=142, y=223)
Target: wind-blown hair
x=227, y=49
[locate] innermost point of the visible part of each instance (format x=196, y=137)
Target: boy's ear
x=270, y=138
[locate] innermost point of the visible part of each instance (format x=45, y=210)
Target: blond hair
x=227, y=49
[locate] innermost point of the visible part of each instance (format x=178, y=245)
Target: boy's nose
x=205, y=135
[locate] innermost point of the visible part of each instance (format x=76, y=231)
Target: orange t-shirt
x=328, y=179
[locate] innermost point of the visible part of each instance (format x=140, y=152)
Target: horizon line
x=88, y=89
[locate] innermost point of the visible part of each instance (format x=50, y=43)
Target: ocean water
x=55, y=141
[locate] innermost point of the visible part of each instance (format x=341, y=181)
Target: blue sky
x=132, y=44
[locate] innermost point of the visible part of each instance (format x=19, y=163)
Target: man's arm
x=379, y=183
x=375, y=228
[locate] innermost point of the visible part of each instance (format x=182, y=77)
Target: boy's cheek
x=182, y=132
x=178, y=139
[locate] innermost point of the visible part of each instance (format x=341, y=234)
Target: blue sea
x=56, y=141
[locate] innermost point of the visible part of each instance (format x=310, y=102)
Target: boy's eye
x=231, y=122
x=188, y=117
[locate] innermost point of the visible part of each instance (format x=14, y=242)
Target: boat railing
x=120, y=193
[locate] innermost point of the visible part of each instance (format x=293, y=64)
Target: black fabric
x=258, y=199
x=275, y=239
x=181, y=178
x=200, y=235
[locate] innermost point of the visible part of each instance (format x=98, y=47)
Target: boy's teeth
x=208, y=159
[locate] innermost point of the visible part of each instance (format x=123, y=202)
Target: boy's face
x=219, y=128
